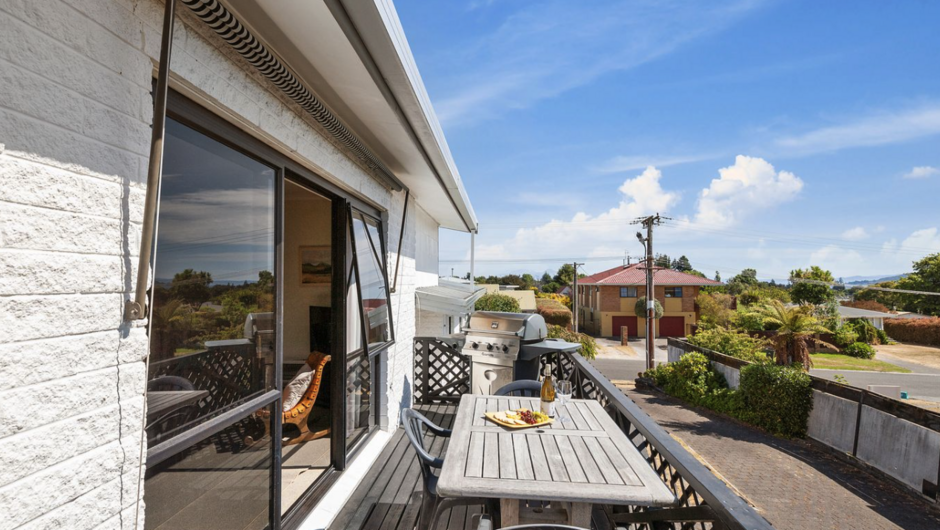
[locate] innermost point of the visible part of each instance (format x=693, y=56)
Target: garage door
x=672, y=327
x=630, y=322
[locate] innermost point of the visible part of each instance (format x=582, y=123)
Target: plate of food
x=519, y=418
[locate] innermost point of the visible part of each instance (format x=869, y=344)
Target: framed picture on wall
x=316, y=267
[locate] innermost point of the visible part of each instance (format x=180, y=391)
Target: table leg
x=508, y=512
x=579, y=514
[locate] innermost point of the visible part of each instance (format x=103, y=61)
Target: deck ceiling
x=323, y=48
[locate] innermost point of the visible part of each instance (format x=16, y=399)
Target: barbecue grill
x=506, y=347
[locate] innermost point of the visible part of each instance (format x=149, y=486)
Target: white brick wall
x=75, y=109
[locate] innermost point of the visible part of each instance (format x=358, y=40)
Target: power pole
x=648, y=223
x=574, y=295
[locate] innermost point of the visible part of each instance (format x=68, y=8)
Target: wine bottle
x=548, y=394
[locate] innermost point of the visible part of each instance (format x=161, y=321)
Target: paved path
x=795, y=484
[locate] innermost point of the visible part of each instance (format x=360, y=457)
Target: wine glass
x=563, y=393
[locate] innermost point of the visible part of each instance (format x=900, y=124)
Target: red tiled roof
x=636, y=275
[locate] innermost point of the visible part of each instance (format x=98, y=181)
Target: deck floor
x=390, y=494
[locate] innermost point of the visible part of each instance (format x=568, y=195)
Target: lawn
x=834, y=361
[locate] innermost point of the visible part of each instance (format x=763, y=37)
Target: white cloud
x=619, y=164
x=921, y=172
x=751, y=185
x=918, y=244
x=547, y=48
x=884, y=127
x=587, y=234
x=855, y=234
x=836, y=259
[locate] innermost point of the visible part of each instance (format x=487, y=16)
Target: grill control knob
x=475, y=345
x=489, y=347
x=505, y=348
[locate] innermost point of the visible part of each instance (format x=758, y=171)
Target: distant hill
x=869, y=280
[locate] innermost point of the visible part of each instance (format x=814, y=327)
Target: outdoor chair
x=431, y=503
x=299, y=414
x=521, y=388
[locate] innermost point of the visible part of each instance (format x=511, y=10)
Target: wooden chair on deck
x=300, y=413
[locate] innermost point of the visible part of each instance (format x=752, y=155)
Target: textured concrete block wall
x=832, y=421
x=75, y=111
x=902, y=449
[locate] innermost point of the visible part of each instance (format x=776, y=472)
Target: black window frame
x=673, y=292
x=192, y=114
x=625, y=292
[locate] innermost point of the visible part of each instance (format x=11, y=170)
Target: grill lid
x=528, y=327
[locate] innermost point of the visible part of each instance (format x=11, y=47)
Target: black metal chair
x=431, y=503
x=521, y=388
x=487, y=524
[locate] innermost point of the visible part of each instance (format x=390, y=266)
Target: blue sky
x=777, y=134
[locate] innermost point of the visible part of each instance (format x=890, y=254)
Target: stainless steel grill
x=504, y=347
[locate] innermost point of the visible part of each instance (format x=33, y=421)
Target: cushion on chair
x=294, y=391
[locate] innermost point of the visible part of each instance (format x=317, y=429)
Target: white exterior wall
x=75, y=111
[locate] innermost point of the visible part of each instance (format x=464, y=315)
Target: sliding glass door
x=270, y=317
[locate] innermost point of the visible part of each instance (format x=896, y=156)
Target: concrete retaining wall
x=902, y=449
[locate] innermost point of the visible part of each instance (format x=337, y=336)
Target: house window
x=628, y=292
x=673, y=292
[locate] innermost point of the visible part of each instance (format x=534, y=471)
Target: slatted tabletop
x=160, y=402
x=585, y=460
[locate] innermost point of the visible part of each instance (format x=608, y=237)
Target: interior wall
x=306, y=223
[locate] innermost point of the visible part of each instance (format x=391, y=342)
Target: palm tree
x=796, y=327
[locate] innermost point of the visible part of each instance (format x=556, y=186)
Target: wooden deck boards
x=390, y=494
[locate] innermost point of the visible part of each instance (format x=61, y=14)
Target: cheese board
x=519, y=418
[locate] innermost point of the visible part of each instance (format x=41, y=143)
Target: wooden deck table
x=587, y=460
x=161, y=402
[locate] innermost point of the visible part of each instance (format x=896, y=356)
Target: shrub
x=748, y=298
x=733, y=343
x=553, y=312
x=497, y=302
x=845, y=335
x=777, y=399
x=860, y=350
x=916, y=330
x=748, y=321
x=691, y=378
x=640, y=308
x=588, y=345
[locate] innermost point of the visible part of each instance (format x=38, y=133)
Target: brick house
x=304, y=182
x=607, y=301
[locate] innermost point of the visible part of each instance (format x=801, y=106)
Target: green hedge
x=588, y=345
x=775, y=398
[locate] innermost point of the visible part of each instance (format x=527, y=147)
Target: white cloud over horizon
x=548, y=48
x=750, y=185
x=921, y=172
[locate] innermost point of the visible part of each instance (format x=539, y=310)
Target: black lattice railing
x=704, y=502
x=228, y=373
x=442, y=374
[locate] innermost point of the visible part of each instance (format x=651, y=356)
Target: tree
x=796, y=327
x=640, y=308
x=565, y=275
x=191, y=287
x=265, y=280
x=741, y=282
x=546, y=278
x=811, y=293
x=497, y=302
x=662, y=260
x=682, y=264
x=926, y=277
x=550, y=287
x=715, y=309
x=528, y=281
x=512, y=279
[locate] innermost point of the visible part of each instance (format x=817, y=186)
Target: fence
x=704, y=502
x=897, y=438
